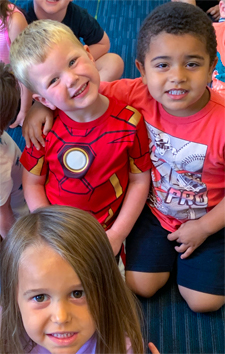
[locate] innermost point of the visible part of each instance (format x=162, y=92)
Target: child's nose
x=71, y=79
x=60, y=313
x=178, y=75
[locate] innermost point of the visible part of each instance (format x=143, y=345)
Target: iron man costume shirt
x=87, y=165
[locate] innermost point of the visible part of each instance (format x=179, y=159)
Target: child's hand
x=190, y=235
x=214, y=12
x=114, y=241
x=153, y=348
x=19, y=120
x=32, y=127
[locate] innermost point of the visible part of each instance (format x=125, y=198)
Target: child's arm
x=193, y=233
x=32, y=127
x=26, y=102
x=17, y=24
x=7, y=218
x=34, y=190
x=132, y=206
x=100, y=48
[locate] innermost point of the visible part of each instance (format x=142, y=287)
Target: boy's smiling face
x=177, y=70
x=67, y=79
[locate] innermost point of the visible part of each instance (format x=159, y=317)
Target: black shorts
x=148, y=250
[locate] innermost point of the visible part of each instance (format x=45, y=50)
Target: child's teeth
x=81, y=90
x=62, y=335
x=177, y=92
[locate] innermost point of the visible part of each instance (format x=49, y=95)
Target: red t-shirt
x=188, y=154
x=88, y=164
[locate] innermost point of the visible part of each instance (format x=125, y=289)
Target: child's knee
x=110, y=67
x=146, y=284
x=201, y=302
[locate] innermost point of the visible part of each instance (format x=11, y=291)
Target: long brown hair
x=5, y=10
x=81, y=241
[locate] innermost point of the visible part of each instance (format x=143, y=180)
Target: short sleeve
x=139, y=156
x=34, y=161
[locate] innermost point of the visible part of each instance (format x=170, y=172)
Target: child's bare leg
x=146, y=284
x=110, y=67
x=201, y=302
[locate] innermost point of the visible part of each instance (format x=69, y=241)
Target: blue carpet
x=168, y=321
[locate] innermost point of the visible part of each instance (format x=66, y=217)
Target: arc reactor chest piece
x=76, y=160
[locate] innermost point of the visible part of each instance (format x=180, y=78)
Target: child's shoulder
x=123, y=111
x=219, y=28
x=6, y=141
x=14, y=9
x=217, y=99
x=132, y=91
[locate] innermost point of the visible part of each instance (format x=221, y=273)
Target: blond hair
x=81, y=241
x=33, y=45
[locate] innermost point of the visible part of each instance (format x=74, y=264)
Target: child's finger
x=25, y=133
x=153, y=348
x=47, y=125
x=14, y=125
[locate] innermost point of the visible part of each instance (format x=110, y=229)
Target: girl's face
x=52, y=301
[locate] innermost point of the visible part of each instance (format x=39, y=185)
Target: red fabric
x=219, y=28
x=88, y=164
x=188, y=154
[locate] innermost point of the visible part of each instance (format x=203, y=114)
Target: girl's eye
x=40, y=298
x=72, y=62
x=77, y=294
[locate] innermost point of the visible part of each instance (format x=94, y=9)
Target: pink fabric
x=4, y=38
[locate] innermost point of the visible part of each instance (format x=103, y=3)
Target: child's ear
x=141, y=68
x=222, y=8
x=212, y=67
x=87, y=50
x=43, y=101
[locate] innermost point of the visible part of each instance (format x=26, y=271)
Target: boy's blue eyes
x=76, y=294
x=53, y=81
x=72, y=62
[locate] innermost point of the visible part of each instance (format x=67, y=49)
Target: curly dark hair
x=177, y=18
